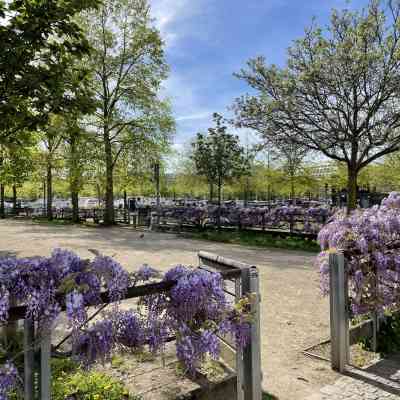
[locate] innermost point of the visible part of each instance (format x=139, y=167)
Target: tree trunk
x=158, y=202
x=2, y=208
x=74, y=179
x=14, y=190
x=75, y=205
x=351, y=189
x=246, y=192
x=49, y=179
x=109, y=206
x=125, y=200
x=211, y=192
x=99, y=195
x=219, y=203
x=292, y=191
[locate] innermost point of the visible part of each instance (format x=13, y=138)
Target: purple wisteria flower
x=145, y=273
x=194, y=309
x=8, y=379
x=129, y=329
x=75, y=304
x=370, y=239
x=96, y=343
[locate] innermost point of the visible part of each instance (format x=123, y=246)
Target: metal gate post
x=29, y=352
x=45, y=367
x=339, y=312
x=252, y=352
x=239, y=352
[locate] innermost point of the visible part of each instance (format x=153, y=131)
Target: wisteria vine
x=297, y=218
x=370, y=240
x=194, y=310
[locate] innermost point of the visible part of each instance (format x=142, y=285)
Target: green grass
x=63, y=222
x=45, y=221
x=259, y=239
x=267, y=396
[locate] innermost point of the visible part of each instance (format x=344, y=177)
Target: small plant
x=71, y=382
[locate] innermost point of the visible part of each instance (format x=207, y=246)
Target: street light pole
x=157, y=179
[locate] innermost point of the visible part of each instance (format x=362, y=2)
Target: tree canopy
x=38, y=42
x=338, y=93
x=218, y=156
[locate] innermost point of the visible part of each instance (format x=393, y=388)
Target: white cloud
x=192, y=117
x=168, y=13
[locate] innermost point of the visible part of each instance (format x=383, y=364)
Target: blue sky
x=208, y=40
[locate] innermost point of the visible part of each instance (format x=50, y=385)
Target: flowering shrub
x=197, y=311
x=370, y=239
x=194, y=309
x=295, y=218
x=8, y=379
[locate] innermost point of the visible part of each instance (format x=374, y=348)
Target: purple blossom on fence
x=145, y=273
x=8, y=379
x=370, y=239
x=95, y=343
x=116, y=278
x=308, y=220
x=4, y=305
x=129, y=329
x=75, y=305
x=194, y=309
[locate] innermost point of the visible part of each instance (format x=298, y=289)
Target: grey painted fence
x=248, y=360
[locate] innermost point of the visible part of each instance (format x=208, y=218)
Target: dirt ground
x=294, y=315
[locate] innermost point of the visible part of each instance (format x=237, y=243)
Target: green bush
x=388, y=338
x=70, y=382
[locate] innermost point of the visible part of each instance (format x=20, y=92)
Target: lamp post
x=157, y=180
x=44, y=196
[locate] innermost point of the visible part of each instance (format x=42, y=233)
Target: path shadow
x=8, y=253
x=384, y=374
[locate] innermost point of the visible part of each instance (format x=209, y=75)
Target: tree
x=291, y=155
x=17, y=166
x=38, y=40
x=78, y=155
x=52, y=138
x=128, y=62
x=338, y=93
x=218, y=156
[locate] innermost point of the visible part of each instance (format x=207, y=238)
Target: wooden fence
x=140, y=217
x=293, y=225
x=38, y=348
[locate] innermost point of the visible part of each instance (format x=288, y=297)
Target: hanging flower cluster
x=8, y=379
x=194, y=310
x=308, y=219
x=370, y=239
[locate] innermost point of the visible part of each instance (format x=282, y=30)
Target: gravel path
x=294, y=315
x=381, y=381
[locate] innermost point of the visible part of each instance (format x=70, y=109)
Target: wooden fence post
x=339, y=312
x=29, y=361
